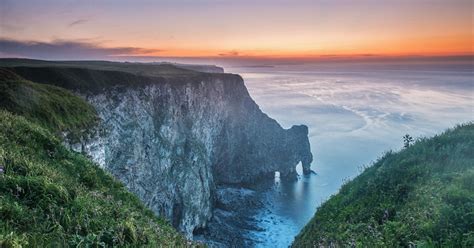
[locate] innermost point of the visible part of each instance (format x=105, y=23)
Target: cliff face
x=45, y=185
x=171, y=141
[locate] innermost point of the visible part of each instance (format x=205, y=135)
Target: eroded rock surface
x=171, y=140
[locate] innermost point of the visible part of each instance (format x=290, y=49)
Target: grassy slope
x=51, y=107
x=82, y=79
x=51, y=196
x=95, y=76
x=140, y=69
x=423, y=195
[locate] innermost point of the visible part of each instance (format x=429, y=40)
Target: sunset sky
x=246, y=28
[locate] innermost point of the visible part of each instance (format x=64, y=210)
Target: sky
x=68, y=29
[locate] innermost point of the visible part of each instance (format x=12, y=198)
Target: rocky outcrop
x=172, y=140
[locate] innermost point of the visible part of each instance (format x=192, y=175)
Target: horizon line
x=322, y=58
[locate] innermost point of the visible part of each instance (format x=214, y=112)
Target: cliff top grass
x=422, y=196
x=53, y=197
x=140, y=69
x=95, y=76
x=52, y=107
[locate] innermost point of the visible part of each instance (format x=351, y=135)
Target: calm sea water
x=355, y=112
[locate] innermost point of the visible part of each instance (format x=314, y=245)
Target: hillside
x=140, y=69
x=52, y=197
x=420, y=196
x=92, y=77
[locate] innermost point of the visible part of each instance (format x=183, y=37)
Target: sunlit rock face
x=172, y=140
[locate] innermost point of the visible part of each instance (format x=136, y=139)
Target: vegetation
x=52, y=197
x=141, y=69
x=407, y=141
x=94, y=76
x=421, y=196
x=52, y=107
x=81, y=79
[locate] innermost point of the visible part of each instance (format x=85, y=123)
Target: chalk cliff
x=171, y=139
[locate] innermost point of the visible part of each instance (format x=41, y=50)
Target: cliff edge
x=172, y=134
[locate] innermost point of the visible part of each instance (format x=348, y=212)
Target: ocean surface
x=355, y=112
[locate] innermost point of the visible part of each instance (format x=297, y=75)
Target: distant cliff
x=171, y=134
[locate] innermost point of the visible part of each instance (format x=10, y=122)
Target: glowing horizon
x=256, y=29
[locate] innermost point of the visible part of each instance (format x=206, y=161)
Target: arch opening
x=299, y=168
x=277, y=176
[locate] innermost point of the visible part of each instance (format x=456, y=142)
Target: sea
x=355, y=111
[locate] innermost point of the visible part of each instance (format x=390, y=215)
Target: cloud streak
x=66, y=49
x=77, y=22
x=233, y=53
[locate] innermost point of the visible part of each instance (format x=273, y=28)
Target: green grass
x=141, y=69
x=52, y=197
x=52, y=107
x=96, y=76
x=422, y=195
x=81, y=79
